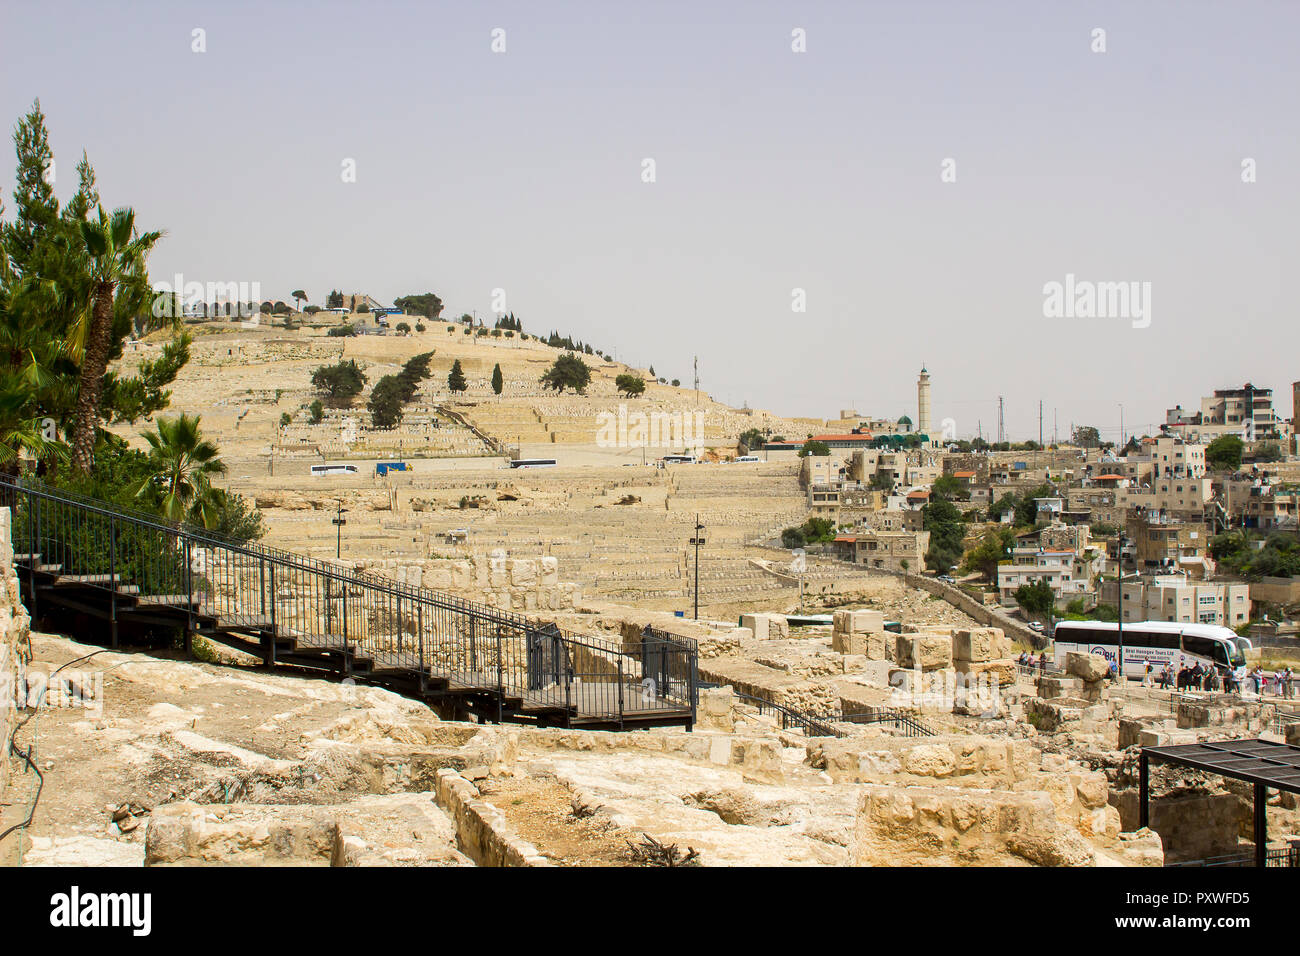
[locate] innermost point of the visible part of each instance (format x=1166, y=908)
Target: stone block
x=926, y=651
x=1088, y=667
x=978, y=644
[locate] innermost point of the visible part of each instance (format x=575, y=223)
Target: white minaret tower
x=923, y=403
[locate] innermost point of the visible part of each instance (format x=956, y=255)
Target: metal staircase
x=115, y=576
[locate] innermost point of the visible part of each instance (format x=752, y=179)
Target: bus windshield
x=1235, y=655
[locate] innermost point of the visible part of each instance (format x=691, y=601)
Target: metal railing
x=355, y=619
x=1286, y=856
x=906, y=724
x=791, y=718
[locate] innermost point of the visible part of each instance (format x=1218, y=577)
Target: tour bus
x=333, y=469
x=1160, y=642
x=748, y=458
x=678, y=459
x=533, y=463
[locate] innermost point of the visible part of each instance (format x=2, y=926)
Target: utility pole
x=697, y=541
x=1001, y=423
x=1119, y=588
x=697, y=384
x=339, y=521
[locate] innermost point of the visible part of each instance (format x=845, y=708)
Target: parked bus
x=1160, y=642
x=533, y=463
x=678, y=459
x=333, y=469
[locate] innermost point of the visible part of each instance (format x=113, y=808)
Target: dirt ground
x=538, y=809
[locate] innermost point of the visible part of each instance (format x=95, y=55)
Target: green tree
x=340, y=383
x=403, y=328
x=117, y=257
x=816, y=448
x=992, y=549
x=182, y=464
x=949, y=488
x=818, y=530
x=285, y=419
x=498, y=382
x=456, y=378
x=298, y=295
x=630, y=385
x=752, y=439
x=386, y=400
x=1224, y=453
x=1036, y=598
x=947, y=527
x=793, y=538
x=1267, y=452
x=568, y=371
x=317, y=411
x=414, y=371
x=1085, y=436
x=426, y=304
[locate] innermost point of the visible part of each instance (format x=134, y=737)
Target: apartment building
x=1175, y=598
x=1057, y=568
x=1162, y=542
x=1165, y=457
x=1253, y=502
x=1246, y=412
x=885, y=549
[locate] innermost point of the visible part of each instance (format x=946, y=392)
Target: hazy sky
x=775, y=170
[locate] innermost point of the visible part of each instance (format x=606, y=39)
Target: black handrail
x=345, y=614
x=811, y=726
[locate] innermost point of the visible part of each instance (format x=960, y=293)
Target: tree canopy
x=338, y=384
x=568, y=371
x=1224, y=453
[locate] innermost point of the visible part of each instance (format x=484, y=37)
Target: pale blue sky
x=775, y=170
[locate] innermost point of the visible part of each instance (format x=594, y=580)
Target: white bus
x=678, y=459
x=533, y=463
x=1160, y=642
x=333, y=469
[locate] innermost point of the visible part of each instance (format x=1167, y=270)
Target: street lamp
x=697, y=541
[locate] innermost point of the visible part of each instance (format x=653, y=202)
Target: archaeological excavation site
x=425, y=654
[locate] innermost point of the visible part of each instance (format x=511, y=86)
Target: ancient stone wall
x=15, y=649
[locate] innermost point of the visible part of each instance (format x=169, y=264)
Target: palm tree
x=183, y=463
x=116, y=257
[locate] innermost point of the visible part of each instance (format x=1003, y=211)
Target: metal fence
x=224, y=589
x=1286, y=856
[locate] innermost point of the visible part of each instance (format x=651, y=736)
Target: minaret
x=923, y=403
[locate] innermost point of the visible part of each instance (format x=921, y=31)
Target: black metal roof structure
x=1264, y=763
x=1255, y=760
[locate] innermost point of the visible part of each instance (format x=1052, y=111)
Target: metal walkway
x=110, y=575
